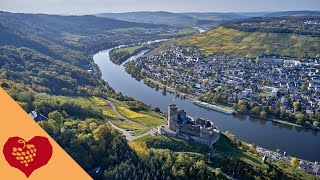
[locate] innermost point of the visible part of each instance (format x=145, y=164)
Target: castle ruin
x=194, y=129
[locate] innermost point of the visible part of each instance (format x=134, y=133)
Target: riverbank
x=307, y=166
x=121, y=54
x=218, y=107
x=282, y=122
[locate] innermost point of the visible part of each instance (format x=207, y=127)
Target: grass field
x=98, y=101
x=72, y=37
x=127, y=125
x=252, y=44
x=110, y=113
x=149, y=121
x=144, y=119
x=130, y=49
x=226, y=147
x=130, y=114
x=138, y=129
x=177, y=145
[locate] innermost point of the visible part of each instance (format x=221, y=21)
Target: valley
x=73, y=70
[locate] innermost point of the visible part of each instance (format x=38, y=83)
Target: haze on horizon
x=80, y=7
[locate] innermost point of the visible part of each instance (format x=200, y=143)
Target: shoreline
x=223, y=109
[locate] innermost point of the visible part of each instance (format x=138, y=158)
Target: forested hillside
x=161, y=17
x=52, y=54
x=46, y=65
x=79, y=125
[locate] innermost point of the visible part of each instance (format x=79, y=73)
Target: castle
x=182, y=126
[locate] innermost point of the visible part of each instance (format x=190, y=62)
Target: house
x=291, y=63
x=37, y=116
x=272, y=90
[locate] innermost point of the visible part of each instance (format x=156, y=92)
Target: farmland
x=252, y=44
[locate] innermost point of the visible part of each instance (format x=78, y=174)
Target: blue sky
x=99, y=6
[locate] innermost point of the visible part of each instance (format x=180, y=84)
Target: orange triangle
x=16, y=122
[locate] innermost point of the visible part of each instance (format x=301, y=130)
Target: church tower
x=172, y=116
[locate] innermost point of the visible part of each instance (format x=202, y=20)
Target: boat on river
x=214, y=107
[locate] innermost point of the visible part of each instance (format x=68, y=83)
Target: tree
x=315, y=123
x=157, y=109
x=303, y=88
x=296, y=106
x=284, y=114
x=25, y=97
x=266, y=108
x=5, y=85
x=45, y=126
x=263, y=114
x=317, y=116
x=165, y=88
x=277, y=112
x=217, y=98
x=242, y=109
x=256, y=110
x=294, y=162
x=57, y=118
x=301, y=118
x=241, y=102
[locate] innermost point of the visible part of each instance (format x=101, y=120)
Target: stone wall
x=190, y=129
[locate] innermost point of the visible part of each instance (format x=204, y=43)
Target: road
x=116, y=111
x=129, y=137
x=126, y=133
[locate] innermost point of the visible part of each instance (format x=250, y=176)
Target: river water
x=298, y=142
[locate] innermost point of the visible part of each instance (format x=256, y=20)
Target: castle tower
x=172, y=116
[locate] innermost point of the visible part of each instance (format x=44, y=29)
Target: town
x=266, y=86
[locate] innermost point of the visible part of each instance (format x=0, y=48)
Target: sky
x=80, y=7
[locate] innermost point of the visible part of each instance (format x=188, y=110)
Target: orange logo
x=27, y=156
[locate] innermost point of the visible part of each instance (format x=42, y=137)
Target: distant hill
x=160, y=17
x=214, y=16
x=190, y=19
x=293, y=13
x=72, y=24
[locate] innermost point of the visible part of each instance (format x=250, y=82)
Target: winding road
x=126, y=133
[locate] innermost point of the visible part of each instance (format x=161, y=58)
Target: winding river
x=295, y=141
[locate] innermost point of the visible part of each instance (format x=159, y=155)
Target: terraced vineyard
x=143, y=119
x=252, y=44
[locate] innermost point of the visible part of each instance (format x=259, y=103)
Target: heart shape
x=27, y=156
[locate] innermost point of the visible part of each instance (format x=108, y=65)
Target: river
x=298, y=142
